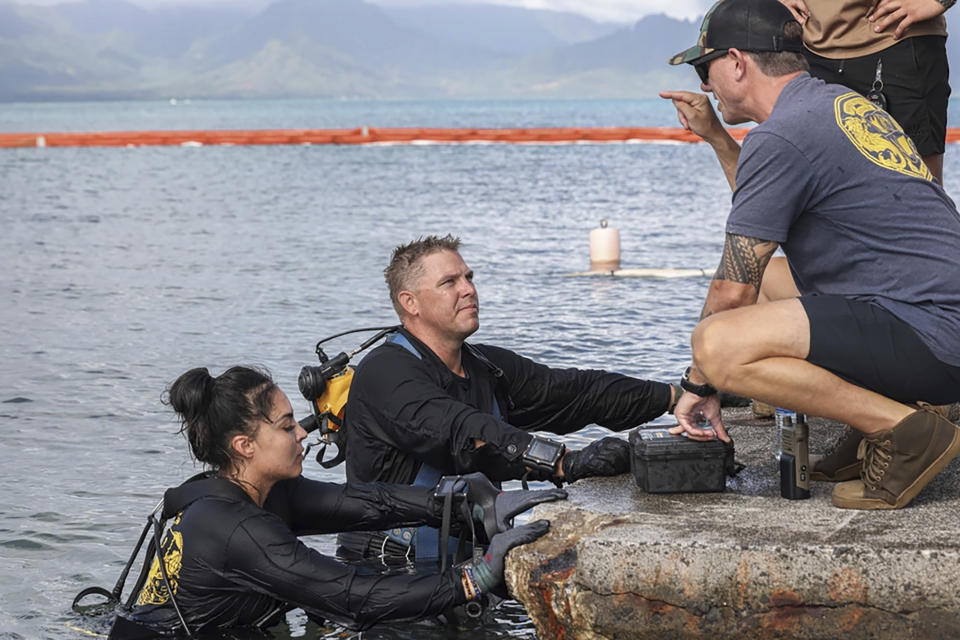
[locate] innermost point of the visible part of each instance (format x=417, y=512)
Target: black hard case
x=665, y=463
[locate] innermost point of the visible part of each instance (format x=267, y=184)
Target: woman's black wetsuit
x=232, y=563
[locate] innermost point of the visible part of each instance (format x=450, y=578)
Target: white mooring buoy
x=604, y=248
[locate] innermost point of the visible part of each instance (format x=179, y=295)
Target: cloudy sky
x=607, y=10
x=603, y=10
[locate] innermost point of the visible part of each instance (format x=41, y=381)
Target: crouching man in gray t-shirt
x=873, y=246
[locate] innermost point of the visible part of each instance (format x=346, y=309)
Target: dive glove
x=496, y=509
x=608, y=456
x=485, y=574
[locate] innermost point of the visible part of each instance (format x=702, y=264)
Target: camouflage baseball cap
x=748, y=25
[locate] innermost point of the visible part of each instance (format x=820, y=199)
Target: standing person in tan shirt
x=891, y=51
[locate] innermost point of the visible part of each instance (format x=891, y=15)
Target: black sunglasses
x=703, y=68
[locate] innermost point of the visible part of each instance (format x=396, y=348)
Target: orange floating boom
x=361, y=135
x=365, y=135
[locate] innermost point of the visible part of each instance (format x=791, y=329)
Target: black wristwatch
x=946, y=4
x=702, y=390
x=542, y=454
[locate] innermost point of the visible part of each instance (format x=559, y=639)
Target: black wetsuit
x=233, y=563
x=405, y=411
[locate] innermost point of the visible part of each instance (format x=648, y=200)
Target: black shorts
x=871, y=348
x=915, y=81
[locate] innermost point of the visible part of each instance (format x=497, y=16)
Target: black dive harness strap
x=113, y=597
x=429, y=542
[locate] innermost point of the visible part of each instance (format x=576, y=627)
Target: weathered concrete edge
x=621, y=563
x=742, y=574
x=619, y=581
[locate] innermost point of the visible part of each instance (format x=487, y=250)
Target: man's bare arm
x=736, y=282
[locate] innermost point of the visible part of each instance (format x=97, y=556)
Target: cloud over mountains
x=106, y=49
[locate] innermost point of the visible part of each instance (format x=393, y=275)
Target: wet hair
x=780, y=63
x=406, y=265
x=213, y=410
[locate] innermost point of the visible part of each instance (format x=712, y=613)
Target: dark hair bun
x=192, y=392
x=213, y=410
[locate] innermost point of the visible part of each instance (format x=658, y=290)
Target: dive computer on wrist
x=702, y=390
x=542, y=454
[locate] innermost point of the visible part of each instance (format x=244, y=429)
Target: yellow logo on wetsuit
x=878, y=136
x=154, y=590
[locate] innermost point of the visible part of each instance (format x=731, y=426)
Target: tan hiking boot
x=840, y=462
x=899, y=463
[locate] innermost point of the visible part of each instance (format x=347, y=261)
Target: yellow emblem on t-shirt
x=878, y=136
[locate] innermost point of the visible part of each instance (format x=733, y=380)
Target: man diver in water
x=428, y=403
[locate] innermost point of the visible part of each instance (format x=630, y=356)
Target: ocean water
x=322, y=114
x=122, y=268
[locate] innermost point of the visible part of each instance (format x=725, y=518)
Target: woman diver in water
x=232, y=558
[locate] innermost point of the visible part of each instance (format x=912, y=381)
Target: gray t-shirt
x=839, y=185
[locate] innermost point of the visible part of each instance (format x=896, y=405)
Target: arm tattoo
x=744, y=259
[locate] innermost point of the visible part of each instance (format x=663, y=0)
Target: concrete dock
x=746, y=563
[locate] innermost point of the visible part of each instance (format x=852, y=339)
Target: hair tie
x=209, y=385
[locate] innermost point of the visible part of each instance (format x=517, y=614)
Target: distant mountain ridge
x=501, y=29
x=109, y=49
x=100, y=49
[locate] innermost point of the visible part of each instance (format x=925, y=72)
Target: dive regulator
x=327, y=387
